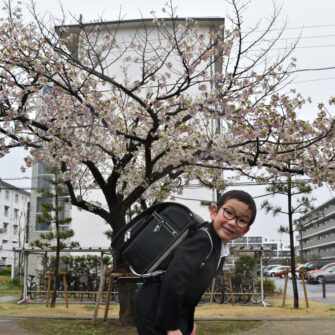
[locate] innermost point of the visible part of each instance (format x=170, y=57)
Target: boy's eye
x=229, y=212
x=244, y=222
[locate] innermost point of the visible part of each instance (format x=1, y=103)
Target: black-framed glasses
x=230, y=214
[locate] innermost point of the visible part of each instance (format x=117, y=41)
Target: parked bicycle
x=245, y=290
x=31, y=287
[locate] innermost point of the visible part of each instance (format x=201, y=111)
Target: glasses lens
x=228, y=213
x=242, y=223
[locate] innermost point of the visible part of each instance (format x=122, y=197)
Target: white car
x=268, y=268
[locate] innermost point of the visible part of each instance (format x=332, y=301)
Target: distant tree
x=299, y=201
x=244, y=265
x=53, y=216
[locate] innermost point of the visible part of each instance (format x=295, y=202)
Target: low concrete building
x=279, y=253
x=14, y=220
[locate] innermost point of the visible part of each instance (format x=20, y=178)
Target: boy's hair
x=241, y=196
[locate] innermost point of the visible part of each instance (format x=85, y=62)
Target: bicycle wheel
x=206, y=296
x=256, y=297
x=222, y=296
x=32, y=291
x=245, y=296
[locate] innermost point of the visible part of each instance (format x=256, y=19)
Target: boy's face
x=227, y=229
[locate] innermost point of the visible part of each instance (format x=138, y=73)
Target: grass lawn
x=111, y=327
x=275, y=310
x=6, y=288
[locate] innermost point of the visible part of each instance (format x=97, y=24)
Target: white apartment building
x=40, y=177
x=14, y=220
x=317, y=236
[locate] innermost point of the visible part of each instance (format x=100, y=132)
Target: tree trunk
x=56, y=268
x=126, y=290
x=292, y=251
x=301, y=248
x=55, y=280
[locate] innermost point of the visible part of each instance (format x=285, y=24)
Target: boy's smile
x=226, y=229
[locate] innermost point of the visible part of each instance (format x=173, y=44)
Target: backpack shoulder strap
x=211, y=241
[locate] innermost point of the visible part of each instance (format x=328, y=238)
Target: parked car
x=316, y=265
x=328, y=275
x=272, y=272
x=281, y=272
x=308, y=273
x=300, y=267
x=268, y=268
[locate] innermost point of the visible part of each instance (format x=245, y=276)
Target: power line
x=314, y=69
x=302, y=47
x=312, y=80
x=295, y=28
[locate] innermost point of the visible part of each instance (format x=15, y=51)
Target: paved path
x=8, y=298
x=11, y=327
x=310, y=327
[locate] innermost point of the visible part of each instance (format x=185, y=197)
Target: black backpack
x=148, y=239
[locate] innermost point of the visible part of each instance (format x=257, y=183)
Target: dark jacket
x=171, y=304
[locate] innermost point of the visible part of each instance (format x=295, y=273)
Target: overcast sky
x=312, y=20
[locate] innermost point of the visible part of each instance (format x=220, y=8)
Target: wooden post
x=109, y=293
x=50, y=275
x=230, y=288
x=112, y=275
x=285, y=287
x=302, y=275
x=212, y=291
x=65, y=290
x=97, y=303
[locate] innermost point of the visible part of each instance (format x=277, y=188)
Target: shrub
x=269, y=286
x=5, y=272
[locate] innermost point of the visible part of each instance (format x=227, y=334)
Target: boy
x=167, y=307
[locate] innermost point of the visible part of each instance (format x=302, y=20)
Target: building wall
x=14, y=217
x=317, y=237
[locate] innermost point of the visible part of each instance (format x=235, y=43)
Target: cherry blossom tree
x=139, y=116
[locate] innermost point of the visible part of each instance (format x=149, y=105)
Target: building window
x=16, y=198
x=15, y=229
x=6, y=212
x=40, y=225
x=16, y=213
x=7, y=195
x=4, y=241
x=5, y=226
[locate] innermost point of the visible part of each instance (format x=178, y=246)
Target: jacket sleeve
x=186, y=260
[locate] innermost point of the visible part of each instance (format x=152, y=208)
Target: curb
x=196, y=319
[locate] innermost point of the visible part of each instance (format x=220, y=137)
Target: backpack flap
x=151, y=236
